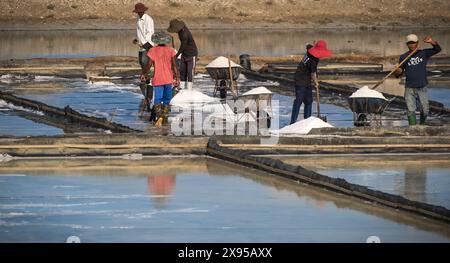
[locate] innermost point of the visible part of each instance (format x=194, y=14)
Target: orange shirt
x=162, y=58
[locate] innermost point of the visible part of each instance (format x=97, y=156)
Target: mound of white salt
x=366, y=92
x=218, y=109
x=304, y=126
x=257, y=91
x=189, y=97
x=222, y=62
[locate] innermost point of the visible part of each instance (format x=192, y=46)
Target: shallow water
x=185, y=200
x=120, y=101
x=423, y=178
x=13, y=124
x=267, y=42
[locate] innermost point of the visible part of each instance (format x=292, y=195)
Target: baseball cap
x=412, y=38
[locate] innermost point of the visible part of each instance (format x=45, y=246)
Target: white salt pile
x=231, y=117
x=257, y=91
x=191, y=97
x=222, y=62
x=4, y=157
x=218, y=109
x=366, y=92
x=303, y=126
x=6, y=105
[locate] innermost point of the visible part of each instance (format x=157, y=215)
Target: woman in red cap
x=306, y=79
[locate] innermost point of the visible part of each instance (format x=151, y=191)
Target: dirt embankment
x=228, y=13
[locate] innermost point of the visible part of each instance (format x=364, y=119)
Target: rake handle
x=400, y=64
x=318, y=100
x=396, y=67
x=231, y=77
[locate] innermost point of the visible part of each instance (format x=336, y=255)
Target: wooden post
x=233, y=88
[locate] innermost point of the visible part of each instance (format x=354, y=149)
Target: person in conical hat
x=162, y=58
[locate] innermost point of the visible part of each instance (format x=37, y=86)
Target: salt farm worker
x=144, y=29
x=188, y=51
x=306, y=79
x=416, y=83
x=162, y=58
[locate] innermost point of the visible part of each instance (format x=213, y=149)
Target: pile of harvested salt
x=230, y=117
x=366, y=92
x=222, y=62
x=303, y=126
x=257, y=91
x=218, y=109
x=4, y=104
x=191, y=97
x=4, y=157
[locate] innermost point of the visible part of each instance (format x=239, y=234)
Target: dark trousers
x=143, y=58
x=302, y=95
x=187, y=67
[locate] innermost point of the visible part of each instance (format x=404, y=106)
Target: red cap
x=320, y=50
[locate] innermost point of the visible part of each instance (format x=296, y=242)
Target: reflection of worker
x=188, y=51
x=416, y=76
x=161, y=186
x=416, y=183
x=306, y=78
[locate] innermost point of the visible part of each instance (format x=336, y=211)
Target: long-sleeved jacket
x=188, y=46
x=145, y=29
x=415, y=68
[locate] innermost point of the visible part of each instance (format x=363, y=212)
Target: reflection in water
x=85, y=43
x=424, y=180
x=161, y=186
x=416, y=183
x=107, y=200
x=318, y=198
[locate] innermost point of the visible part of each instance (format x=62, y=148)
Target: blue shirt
x=415, y=68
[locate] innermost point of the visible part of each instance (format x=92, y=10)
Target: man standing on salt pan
x=188, y=51
x=306, y=79
x=144, y=31
x=415, y=70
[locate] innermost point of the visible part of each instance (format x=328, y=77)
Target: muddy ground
x=93, y=14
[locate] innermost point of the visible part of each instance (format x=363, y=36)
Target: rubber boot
x=152, y=114
x=412, y=120
x=423, y=118
x=165, y=114
x=158, y=115
x=182, y=85
x=189, y=85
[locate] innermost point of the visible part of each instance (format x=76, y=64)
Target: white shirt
x=145, y=29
